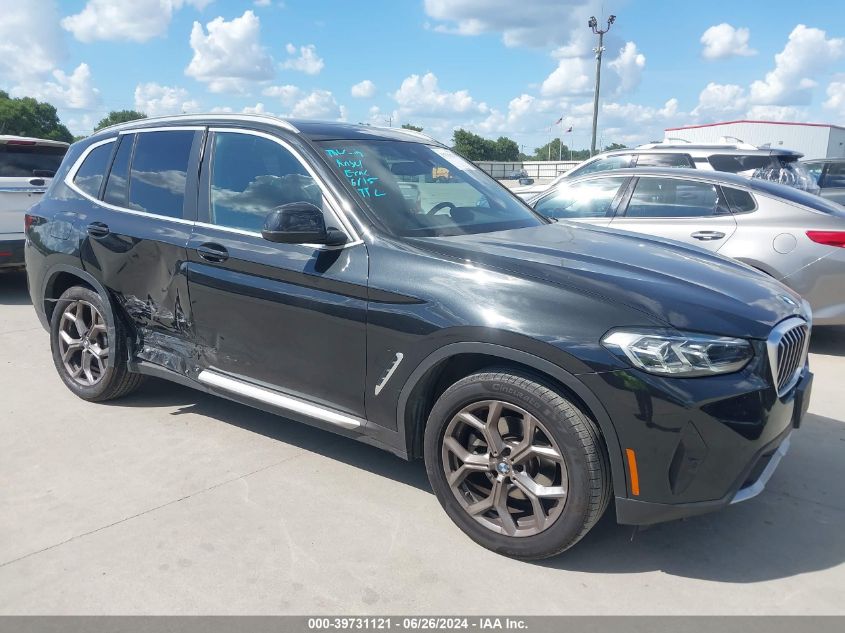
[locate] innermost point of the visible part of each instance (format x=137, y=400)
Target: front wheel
x=515, y=464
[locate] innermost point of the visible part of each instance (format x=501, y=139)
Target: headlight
x=680, y=354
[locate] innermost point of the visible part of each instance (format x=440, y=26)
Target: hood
x=678, y=285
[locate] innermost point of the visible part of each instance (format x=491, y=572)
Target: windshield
x=422, y=191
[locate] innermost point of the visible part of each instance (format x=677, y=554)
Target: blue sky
x=493, y=66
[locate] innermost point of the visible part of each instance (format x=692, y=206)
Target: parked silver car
x=829, y=173
x=793, y=236
x=730, y=156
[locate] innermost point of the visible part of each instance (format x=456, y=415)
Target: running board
x=276, y=399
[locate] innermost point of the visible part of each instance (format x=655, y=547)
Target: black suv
x=541, y=369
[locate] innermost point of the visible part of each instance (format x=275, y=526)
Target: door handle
x=708, y=236
x=37, y=182
x=213, y=253
x=98, y=229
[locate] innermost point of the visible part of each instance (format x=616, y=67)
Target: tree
x=27, y=117
x=119, y=116
x=614, y=146
x=409, y=126
x=553, y=150
x=475, y=147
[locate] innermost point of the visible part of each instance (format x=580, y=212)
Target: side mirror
x=300, y=223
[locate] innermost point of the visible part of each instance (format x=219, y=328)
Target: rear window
x=30, y=161
x=90, y=175
x=664, y=160
x=739, y=163
x=117, y=187
x=796, y=196
x=159, y=172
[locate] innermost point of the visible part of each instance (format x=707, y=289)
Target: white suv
x=27, y=166
x=766, y=163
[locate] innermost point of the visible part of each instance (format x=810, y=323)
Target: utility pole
x=594, y=25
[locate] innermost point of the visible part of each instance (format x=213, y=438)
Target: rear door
x=137, y=234
x=677, y=208
x=590, y=201
x=26, y=169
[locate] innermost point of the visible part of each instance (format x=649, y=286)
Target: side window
x=589, y=199
x=815, y=170
x=835, y=176
x=739, y=201
x=674, y=198
x=621, y=161
x=90, y=175
x=664, y=160
x=117, y=186
x=251, y=176
x=159, y=172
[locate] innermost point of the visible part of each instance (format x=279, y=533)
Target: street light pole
x=593, y=24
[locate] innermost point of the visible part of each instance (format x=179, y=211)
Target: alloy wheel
x=83, y=343
x=504, y=468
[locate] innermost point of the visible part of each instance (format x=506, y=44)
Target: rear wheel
x=90, y=362
x=516, y=464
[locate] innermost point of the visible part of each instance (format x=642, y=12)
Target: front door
x=679, y=209
x=285, y=318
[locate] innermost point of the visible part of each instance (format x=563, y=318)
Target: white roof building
x=814, y=140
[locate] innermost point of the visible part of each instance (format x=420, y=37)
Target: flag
x=569, y=130
x=559, y=121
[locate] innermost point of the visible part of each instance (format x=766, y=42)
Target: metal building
x=814, y=140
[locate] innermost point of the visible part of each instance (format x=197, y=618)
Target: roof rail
x=222, y=116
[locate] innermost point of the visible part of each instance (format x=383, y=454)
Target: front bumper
x=700, y=445
x=11, y=253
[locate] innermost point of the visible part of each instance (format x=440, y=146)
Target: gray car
x=829, y=173
x=793, y=236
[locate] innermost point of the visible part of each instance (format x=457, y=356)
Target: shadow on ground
x=13, y=290
x=781, y=533
x=828, y=340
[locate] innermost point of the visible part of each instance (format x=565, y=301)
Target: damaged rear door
x=137, y=238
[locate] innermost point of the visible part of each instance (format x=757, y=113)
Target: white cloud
x=119, y=20
x=571, y=77
x=628, y=68
x=720, y=101
x=31, y=42
x=836, y=97
x=74, y=91
x=231, y=55
x=258, y=108
x=537, y=23
x=287, y=94
x=777, y=113
x=155, y=100
x=307, y=62
x=364, y=89
x=807, y=53
x=422, y=96
x=723, y=40
x=575, y=72
x=263, y=3
x=319, y=104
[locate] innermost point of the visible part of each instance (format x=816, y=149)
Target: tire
x=567, y=466
x=106, y=375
